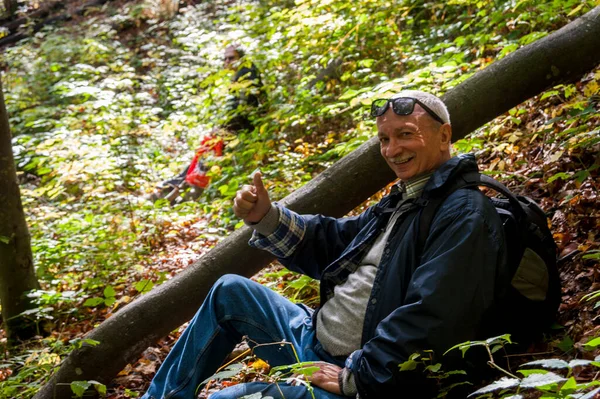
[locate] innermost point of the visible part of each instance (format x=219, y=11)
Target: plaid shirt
x=286, y=237
x=291, y=228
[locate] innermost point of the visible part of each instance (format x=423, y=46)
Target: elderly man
x=381, y=300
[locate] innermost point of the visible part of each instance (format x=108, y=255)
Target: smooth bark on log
x=15, y=37
x=17, y=275
x=43, y=13
x=10, y=7
x=564, y=55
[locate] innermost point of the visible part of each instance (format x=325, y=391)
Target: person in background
x=245, y=94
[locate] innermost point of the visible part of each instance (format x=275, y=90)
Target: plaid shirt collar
x=413, y=188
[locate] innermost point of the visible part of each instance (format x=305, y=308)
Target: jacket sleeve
x=310, y=242
x=447, y=298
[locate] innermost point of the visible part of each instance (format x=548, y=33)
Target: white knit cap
x=433, y=102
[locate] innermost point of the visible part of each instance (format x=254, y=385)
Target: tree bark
x=562, y=56
x=10, y=7
x=17, y=275
x=35, y=15
x=17, y=36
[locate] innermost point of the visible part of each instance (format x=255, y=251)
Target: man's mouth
x=401, y=160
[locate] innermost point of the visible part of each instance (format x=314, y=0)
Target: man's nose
x=393, y=148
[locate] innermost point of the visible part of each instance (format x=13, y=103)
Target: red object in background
x=196, y=175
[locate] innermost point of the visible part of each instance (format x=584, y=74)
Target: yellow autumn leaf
x=556, y=156
x=261, y=365
x=591, y=89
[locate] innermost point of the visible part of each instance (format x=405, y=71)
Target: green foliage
x=108, y=299
x=103, y=110
x=35, y=365
x=228, y=372
x=491, y=344
x=548, y=383
x=79, y=388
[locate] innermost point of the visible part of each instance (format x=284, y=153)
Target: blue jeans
x=236, y=307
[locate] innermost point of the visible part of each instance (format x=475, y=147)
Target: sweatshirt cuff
x=268, y=224
x=346, y=382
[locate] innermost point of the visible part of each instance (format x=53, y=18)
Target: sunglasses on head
x=401, y=106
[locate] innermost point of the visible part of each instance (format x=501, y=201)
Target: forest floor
x=104, y=106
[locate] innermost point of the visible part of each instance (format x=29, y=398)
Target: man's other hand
x=252, y=202
x=327, y=377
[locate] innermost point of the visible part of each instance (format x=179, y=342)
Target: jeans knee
x=230, y=283
x=231, y=287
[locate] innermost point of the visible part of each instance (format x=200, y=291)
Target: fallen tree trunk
x=562, y=56
x=35, y=15
x=15, y=37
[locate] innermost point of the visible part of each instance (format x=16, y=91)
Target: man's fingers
x=258, y=183
x=247, y=195
x=244, y=205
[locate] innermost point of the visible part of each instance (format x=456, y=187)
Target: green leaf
x=93, y=301
x=349, y=94
x=592, y=344
x=570, y=385
x=434, y=367
x=109, y=291
x=110, y=301
x=100, y=387
x=549, y=94
x=566, y=344
x=595, y=255
x=591, y=296
x=90, y=342
x=502, y=383
x=500, y=339
x=230, y=371
x=560, y=175
x=408, y=365
x=579, y=363
x=591, y=394
x=4, y=239
x=527, y=372
x=549, y=363
x=79, y=387
x=540, y=380
x=143, y=286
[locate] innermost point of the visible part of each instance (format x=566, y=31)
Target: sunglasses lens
x=403, y=106
x=378, y=107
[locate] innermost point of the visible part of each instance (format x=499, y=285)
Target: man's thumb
x=258, y=183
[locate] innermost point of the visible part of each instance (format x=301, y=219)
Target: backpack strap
x=432, y=202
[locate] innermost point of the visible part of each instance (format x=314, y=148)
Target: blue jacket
x=444, y=296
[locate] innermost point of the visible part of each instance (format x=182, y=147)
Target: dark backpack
x=528, y=306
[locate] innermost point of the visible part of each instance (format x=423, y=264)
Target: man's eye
x=383, y=139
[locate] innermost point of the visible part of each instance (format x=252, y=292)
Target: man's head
x=232, y=54
x=414, y=132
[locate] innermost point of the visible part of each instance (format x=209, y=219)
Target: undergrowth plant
x=540, y=379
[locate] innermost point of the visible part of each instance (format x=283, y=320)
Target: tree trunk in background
x=562, y=56
x=10, y=7
x=17, y=275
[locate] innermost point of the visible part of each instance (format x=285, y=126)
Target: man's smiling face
x=414, y=144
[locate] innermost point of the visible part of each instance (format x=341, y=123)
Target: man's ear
x=446, y=135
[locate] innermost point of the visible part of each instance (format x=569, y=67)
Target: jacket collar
x=444, y=175
x=449, y=171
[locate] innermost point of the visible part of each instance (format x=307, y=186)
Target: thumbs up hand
x=252, y=202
